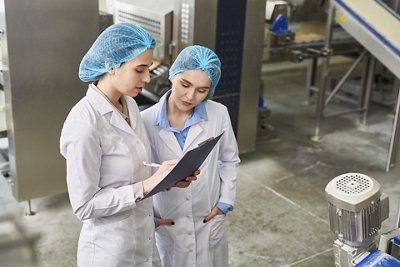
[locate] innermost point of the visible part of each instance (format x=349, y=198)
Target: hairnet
x=198, y=57
x=119, y=43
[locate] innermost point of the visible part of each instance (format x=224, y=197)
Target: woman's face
x=189, y=88
x=130, y=78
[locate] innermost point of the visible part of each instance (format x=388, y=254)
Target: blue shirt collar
x=198, y=115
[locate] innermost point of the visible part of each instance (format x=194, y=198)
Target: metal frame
x=385, y=53
x=323, y=97
x=379, y=45
x=393, y=159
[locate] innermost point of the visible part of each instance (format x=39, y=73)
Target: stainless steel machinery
x=381, y=38
x=357, y=208
x=42, y=43
x=351, y=29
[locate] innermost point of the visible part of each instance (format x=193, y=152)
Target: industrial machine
x=380, y=38
x=295, y=31
x=350, y=29
x=42, y=43
x=357, y=208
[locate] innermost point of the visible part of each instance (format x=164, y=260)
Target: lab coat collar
x=169, y=139
x=97, y=100
x=194, y=132
x=166, y=133
x=103, y=106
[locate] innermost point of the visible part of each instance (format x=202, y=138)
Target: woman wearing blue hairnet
x=105, y=144
x=182, y=119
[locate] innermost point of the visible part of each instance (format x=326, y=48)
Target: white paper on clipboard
x=188, y=164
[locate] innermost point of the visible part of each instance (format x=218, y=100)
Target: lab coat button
x=187, y=198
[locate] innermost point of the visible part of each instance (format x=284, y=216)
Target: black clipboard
x=188, y=164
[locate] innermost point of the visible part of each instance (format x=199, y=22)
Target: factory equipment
x=357, y=208
x=381, y=39
x=352, y=30
x=42, y=43
x=295, y=31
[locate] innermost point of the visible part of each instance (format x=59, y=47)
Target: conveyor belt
x=375, y=26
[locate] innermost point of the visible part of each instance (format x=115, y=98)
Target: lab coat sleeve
x=80, y=145
x=228, y=161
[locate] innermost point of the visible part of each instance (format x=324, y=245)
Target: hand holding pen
x=159, y=175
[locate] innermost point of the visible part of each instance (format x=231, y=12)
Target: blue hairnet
x=119, y=43
x=198, y=57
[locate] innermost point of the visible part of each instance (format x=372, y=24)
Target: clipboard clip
x=206, y=141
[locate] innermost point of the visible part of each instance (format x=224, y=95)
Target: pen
x=151, y=164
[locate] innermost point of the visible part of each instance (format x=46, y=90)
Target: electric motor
x=357, y=208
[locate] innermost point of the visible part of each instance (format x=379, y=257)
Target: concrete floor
x=280, y=216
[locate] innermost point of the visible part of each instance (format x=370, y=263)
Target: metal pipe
x=398, y=219
x=356, y=110
x=363, y=82
x=345, y=77
x=394, y=141
x=324, y=76
x=30, y=212
x=368, y=89
x=339, y=97
x=396, y=6
x=311, y=75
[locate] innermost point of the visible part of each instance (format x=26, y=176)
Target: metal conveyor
x=375, y=26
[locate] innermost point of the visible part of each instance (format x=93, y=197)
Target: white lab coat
x=104, y=168
x=190, y=242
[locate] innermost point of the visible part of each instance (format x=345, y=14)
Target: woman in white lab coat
x=178, y=123
x=105, y=144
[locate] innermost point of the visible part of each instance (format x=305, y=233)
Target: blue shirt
x=198, y=115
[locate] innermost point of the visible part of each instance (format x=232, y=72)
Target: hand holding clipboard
x=186, y=166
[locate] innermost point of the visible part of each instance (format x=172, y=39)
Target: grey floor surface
x=280, y=216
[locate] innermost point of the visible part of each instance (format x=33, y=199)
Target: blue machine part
x=396, y=240
x=378, y=258
x=280, y=25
